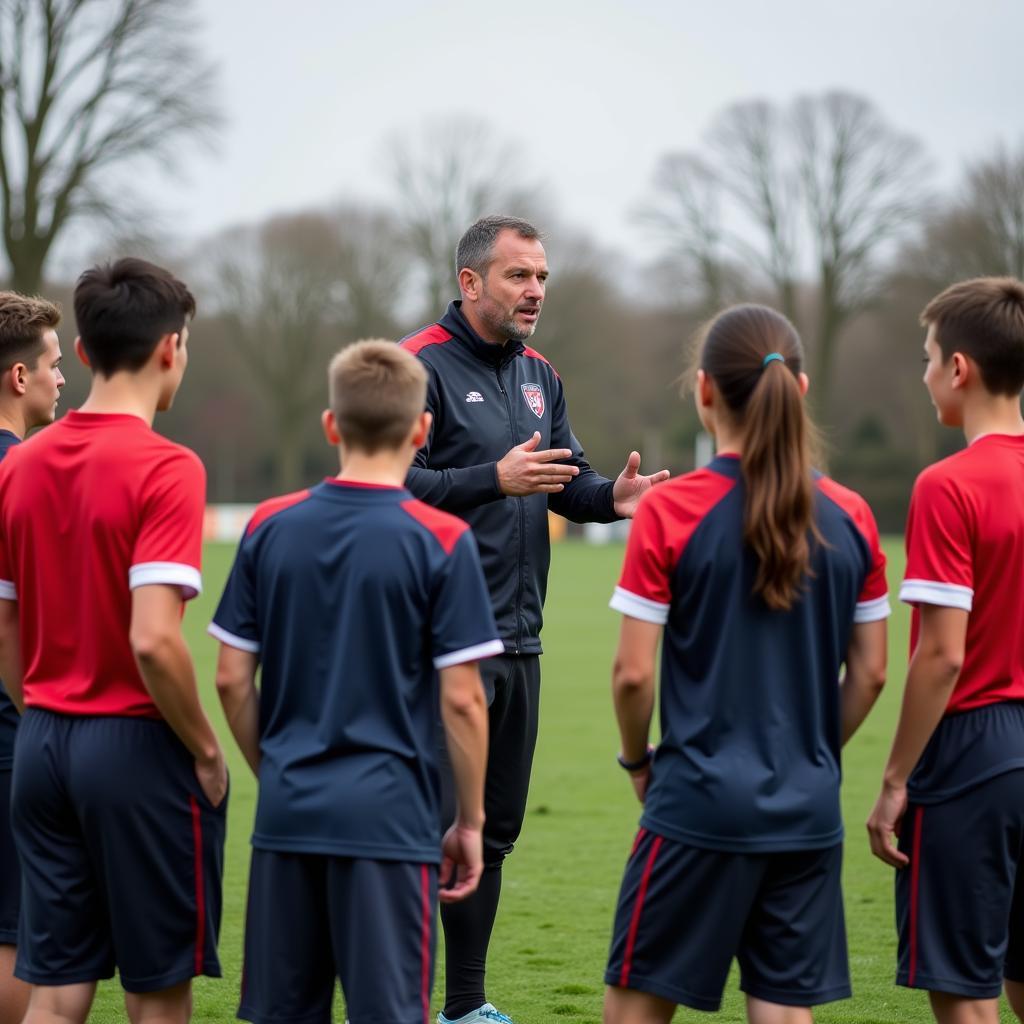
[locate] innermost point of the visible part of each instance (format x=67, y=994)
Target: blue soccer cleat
x=485, y=1014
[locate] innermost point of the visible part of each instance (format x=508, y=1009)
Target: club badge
x=534, y=399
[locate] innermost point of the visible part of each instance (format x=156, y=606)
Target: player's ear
x=330, y=427
x=704, y=389
x=961, y=369
x=421, y=429
x=17, y=376
x=167, y=347
x=83, y=356
x=805, y=382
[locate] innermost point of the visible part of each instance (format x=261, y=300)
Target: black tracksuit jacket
x=485, y=399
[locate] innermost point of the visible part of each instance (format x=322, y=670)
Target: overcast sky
x=591, y=93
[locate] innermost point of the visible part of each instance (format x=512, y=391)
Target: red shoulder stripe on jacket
x=433, y=335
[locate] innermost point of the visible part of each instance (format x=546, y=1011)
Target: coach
x=501, y=453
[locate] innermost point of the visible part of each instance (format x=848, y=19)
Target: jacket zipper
x=521, y=565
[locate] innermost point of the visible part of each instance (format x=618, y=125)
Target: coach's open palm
x=462, y=863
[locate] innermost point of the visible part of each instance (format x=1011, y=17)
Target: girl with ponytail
x=764, y=583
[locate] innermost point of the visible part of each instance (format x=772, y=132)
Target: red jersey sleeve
x=939, y=562
x=644, y=590
x=168, y=548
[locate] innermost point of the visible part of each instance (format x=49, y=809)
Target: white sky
x=590, y=91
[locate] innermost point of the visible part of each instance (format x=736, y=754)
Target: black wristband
x=635, y=766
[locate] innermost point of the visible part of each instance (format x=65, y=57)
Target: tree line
x=819, y=206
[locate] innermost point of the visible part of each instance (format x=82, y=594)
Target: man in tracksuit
x=500, y=454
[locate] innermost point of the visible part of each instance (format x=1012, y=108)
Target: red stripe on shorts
x=197, y=843
x=427, y=917
x=636, y=842
x=915, y=878
x=634, y=924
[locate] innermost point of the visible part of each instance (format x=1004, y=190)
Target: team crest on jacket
x=534, y=399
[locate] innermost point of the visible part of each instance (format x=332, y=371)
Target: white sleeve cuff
x=174, y=574
x=8, y=591
x=638, y=607
x=872, y=611
x=221, y=634
x=945, y=595
x=474, y=653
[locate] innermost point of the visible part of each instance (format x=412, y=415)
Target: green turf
x=559, y=889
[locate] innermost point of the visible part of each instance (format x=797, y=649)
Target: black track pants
x=512, y=684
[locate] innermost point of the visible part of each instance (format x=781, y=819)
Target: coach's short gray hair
x=476, y=247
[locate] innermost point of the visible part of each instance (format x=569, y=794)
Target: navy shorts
x=313, y=918
x=685, y=912
x=960, y=901
x=10, y=872
x=121, y=854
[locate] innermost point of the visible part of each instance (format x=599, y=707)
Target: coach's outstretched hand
x=630, y=486
x=524, y=470
x=462, y=863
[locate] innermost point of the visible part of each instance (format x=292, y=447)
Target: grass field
x=547, y=956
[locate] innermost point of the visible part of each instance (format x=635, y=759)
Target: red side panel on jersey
x=665, y=521
x=532, y=353
x=434, y=335
x=873, y=601
x=272, y=506
x=446, y=528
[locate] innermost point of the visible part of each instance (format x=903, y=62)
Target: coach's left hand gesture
x=630, y=485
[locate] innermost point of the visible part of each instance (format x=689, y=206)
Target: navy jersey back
x=353, y=596
x=9, y=716
x=749, y=701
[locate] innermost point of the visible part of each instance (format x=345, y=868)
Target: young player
x=953, y=788
x=764, y=578
x=119, y=784
x=30, y=383
x=364, y=607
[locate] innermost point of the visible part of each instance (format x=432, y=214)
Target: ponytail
x=754, y=356
x=776, y=470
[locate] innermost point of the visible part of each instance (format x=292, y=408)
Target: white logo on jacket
x=474, y=396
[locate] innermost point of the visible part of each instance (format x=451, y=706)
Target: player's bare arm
x=464, y=714
x=630, y=486
x=633, y=694
x=934, y=670
x=10, y=653
x=865, y=674
x=525, y=470
x=166, y=668
x=236, y=687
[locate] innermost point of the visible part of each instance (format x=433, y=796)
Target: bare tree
x=750, y=140
x=860, y=183
x=86, y=88
x=686, y=214
x=826, y=174
x=277, y=287
x=373, y=268
x=995, y=195
x=446, y=176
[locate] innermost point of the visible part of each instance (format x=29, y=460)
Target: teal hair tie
x=772, y=358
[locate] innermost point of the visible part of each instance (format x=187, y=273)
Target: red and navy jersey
x=965, y=548
x=9, y=716
x=353, y=596
x=90, y=508
x=749, y=696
